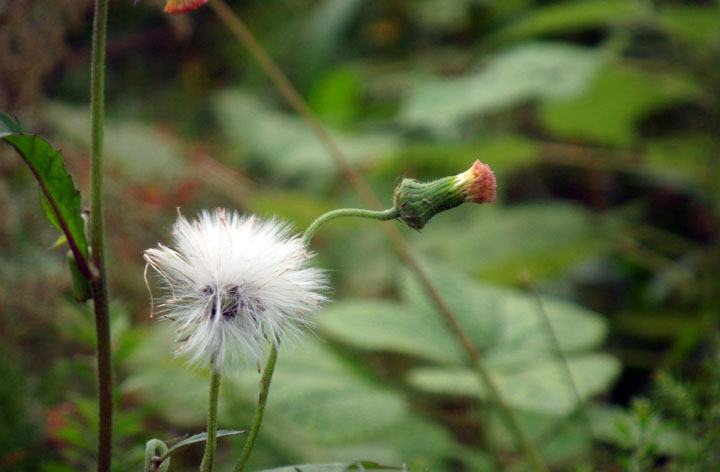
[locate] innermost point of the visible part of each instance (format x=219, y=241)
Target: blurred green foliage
x=600, y=119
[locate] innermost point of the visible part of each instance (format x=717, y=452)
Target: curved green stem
x=270, y=367
x=150, y=464
x=389, y=214
x=260, y=411
x=211, y=444
x=97, y=225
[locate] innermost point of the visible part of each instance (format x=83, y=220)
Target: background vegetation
x=600, y=119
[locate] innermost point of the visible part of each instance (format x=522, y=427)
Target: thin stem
x=270, y=367
x=238, y=28
x=582, y=404
x=389, y=214
x=211, y=443
x=260, y=411
x=97, y=227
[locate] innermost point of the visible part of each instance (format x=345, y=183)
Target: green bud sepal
x=417, y=202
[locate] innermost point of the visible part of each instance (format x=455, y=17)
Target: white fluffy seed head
x=233, y=282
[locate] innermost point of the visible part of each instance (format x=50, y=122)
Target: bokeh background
x=600, y=119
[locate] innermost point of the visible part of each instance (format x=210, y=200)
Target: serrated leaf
x=63, y=199
x=534, y=70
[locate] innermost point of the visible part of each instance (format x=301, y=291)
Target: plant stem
x=260, y=411
x=389, y=214
x=283, y=84
x=582, y=404
x=270, y=366
x=211, y=443
x=97, y=227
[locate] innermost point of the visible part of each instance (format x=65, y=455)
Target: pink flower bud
x=477, y=183
x=183, y=6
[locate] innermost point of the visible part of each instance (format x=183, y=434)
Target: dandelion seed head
x=232, y=283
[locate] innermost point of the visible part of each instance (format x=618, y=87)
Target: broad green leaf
x=440, y=14
x=333, y=467
x=505, y=321
x=499, y=243
x=336, y=96
x=392, y=327
x=618, y=97
x=556, y=18
x=681, y=158
x=63, y=200
x=696, y=24
x=475, y=305
x=530, y=71
x=321, y=406
x=541, y=385
x=327, y=24
x=283, y=144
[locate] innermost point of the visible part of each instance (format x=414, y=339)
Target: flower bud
x=417, y=202
x=183, y=6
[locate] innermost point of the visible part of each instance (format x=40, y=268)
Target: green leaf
x=624, y=429
x=504, y=321
x=63, y=200
x=326, y=25
x=82, y=291
x=498, y=243
x=684, y=158
x=618, y=98
x=693, y=23
x=565, y=17
x=202, y=437
x=333, y=467
x=283, y=144
x=539, y=385
x=534, y=70
x=385, y=326
x=8, y=125
x=336, y=96
x=440, y=15
x=323, y=406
